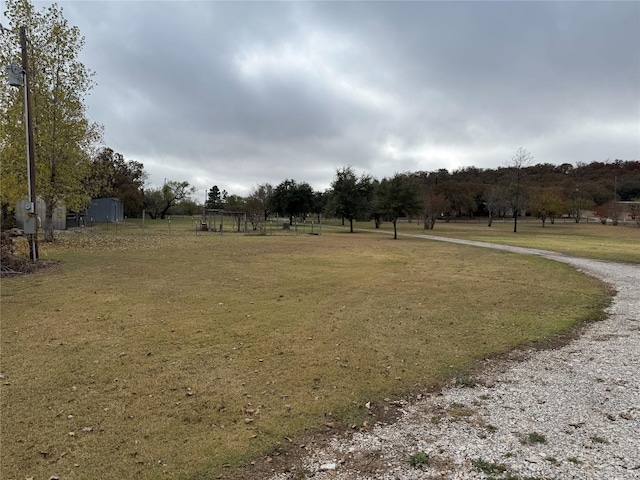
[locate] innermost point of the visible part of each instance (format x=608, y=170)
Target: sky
x=237, y=94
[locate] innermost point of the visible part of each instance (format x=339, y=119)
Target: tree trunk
x=48, y=221
x=351, y=225
x=490, y=220
x=164, y=211
x=395, y=231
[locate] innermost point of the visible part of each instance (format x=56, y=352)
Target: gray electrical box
x=29, y=222
x=14, y=75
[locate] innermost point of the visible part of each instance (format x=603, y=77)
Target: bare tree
x=577, y=206
x=434, y=205
x=496, y=202
x=521, y=159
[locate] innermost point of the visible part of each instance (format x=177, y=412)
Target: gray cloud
x=236, y=94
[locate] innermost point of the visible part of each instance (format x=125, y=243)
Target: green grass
x=465, y=382
x=533, y=438
x=419, y=459
x=483, y=466
x=174, y=354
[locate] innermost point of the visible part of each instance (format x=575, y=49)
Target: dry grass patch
x=589, y=240
x=149, y=356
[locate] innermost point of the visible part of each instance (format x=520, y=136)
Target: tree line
x=71, y=171
x=543, y=191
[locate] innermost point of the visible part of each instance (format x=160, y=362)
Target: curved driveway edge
x=570, y=413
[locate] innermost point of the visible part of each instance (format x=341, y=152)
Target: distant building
x=105, y=210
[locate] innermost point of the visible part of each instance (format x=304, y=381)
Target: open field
x=155, y=353
x=593, y=240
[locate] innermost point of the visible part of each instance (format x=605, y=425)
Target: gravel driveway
x=569, y=413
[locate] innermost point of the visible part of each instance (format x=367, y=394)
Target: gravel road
x=568, y=413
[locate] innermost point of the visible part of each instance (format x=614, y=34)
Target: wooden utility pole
x=31, y=161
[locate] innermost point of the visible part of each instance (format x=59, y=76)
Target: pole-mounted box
x=15, y=75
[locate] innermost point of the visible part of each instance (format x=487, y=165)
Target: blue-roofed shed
x=105, y=210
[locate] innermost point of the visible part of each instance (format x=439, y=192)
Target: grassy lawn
x=593, y=240
x=155, y=353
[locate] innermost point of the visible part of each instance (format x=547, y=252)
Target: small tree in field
x=577, y=206
x=433, y=206
x=497, y=202
x=352, y=196
x=397, y=197
x=521, y=159
x=259, y=199
x=546, y=204
x=158, y=201
x=292, y=198
x=609, y=210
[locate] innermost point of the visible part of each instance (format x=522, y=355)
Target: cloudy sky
x=241, y=93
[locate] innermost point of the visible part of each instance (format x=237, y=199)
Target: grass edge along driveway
x=175, y=356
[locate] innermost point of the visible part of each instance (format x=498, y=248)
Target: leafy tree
x=216, y=198
x=158, y=201
x=293, y=199
x=62, y=133
x=113, y=176
x=320, y=202
x=153, y=199
x=397, y=197
x=257, y=204
x=376, y=207
x=461, y=196
x=259, y=199
x=546, y=204
x=236, y=203
x=186, y=206
x=352, y=196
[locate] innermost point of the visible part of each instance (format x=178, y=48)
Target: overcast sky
x=237, y=94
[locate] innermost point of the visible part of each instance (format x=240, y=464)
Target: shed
x=59, y=214
x=102, y=210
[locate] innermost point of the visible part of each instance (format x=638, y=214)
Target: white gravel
x=581, y=402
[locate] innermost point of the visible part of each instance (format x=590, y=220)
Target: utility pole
x=31, y=161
